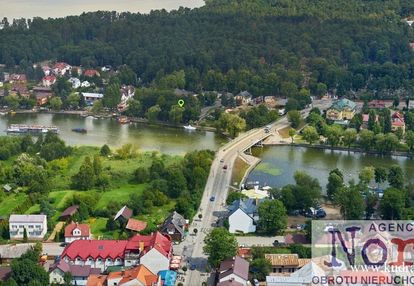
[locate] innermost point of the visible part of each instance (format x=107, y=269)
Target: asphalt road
x=217, y=185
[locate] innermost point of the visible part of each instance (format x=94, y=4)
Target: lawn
x=120, y=195
x=11, y=201
x=239, y=169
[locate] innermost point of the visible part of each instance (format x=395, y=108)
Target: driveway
x=249, y=241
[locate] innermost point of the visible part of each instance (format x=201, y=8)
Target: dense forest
x=269, y=47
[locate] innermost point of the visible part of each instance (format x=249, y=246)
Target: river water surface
x=108, y=131
x=279, y=164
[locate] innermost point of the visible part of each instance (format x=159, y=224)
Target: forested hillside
x=354, y=47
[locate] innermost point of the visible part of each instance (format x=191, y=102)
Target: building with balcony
x=35, y=226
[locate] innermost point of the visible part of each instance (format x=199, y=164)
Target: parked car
x=225, y=167
x=212, y=199
x=320, y=213
x=192, y=267
x=222, y=161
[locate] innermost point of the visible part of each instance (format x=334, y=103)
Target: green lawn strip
x=120, y=195
x=158, y=214
x=60, y=198
x=35, y=209
x=98, y=227
x=10, y=202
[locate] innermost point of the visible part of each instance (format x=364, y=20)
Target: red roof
x=398, y=116
x=50, y=78
x=116, y=248
x=136, y=225
x=84, y=229
x=91, y=73
x=158, y=241
x=61, y=65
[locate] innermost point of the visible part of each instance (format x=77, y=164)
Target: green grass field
x=11, y=201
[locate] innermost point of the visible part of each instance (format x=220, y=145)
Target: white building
x=85, y=84
x=90, y=98
x=35, y=225
x=76, y=83
x=243, y=216
x=75, y=231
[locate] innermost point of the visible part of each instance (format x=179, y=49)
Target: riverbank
x=340, y=148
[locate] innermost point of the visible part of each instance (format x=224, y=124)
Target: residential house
x=80, y=273
x=397, y=122
x=61, y=68
x=76, y=83
x=18, y=88
x=90, y=98
x=17, y=78
x=379, y=104
x=153, y=251
x=243, y=215
x=174, y=226
x=136, y=225
x=243, y=98
x=411, y=104
x=75, y=231
x=234, y=269
x=244, y=252
x=42, y=95
x=127, y=93
x=7, y=188
x=48, y=80
x=9, y=252
x=302, y=277
x=35, y=225
x=270, y=101
x=96, y=280
x=91, y=73
x=124, y=212
x=69, y=213
x=139, y=275
x=46, y=70
x=365, y=119
x=341, y=110
x=285, y=263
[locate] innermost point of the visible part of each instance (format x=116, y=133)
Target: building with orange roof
x=139, y=275
x=285, y=263
x=397, y=122
x=136, y=225
x=96, y=280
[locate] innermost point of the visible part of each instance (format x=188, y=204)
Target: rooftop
x=343, y=104
x=15, y=218
x=235, y=265
x=136, y=225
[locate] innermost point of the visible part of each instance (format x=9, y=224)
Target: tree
x=97, y=107
x=55, y=103
x=349, y=137
x=97, y=165
x=306, y=191
x=152, y=113
x=232, y=123
x=85, y=178
x=25, y=239
x=333, y=134
x=310, y=134
x=392, y=204
x=73, y=100
x=335, y=183
x=272, y=217
x=366, y=139
x=67, y=278
x=176, y=114
x=294, y=118
x=112, y=95
x=366, y=175
x=351, y=202
x=260, y=268
x=371, y=201
x=372, y=119
x=409, y=139
x=292, y=133
x=26, y=269
x=105, y=151
x=396, y=177
x=219, y=245
x=233, y=196
x=141, y=175
x=380, y=174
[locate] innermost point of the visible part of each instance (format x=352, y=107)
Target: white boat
x=189, y=127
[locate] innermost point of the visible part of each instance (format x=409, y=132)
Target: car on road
x=225, y=167
x=222, y=161
x=212, y=199
x=193, y=267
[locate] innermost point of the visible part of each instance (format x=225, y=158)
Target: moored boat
x=123, y=120
x=189, y=127
x=79, y=130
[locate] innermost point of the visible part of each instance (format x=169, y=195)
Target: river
x=279, y=164
x=107, y=131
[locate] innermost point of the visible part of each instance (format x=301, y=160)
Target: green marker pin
x=181, y=103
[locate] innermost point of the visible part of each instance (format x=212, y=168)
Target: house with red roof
x=139, y=275
x=48, y=80
x=91, y=73
x=136, y=225
x=154, y=251
x=61, y=68
x=397, y=122
x=75, y=231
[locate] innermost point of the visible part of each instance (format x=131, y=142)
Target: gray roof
x=249, y=206
x=16, y=250
x=14, y=218
x=174, y=220
x=245, y=94
x=235, y=265
x=75, y=270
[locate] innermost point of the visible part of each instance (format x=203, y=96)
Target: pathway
x=56, y=230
